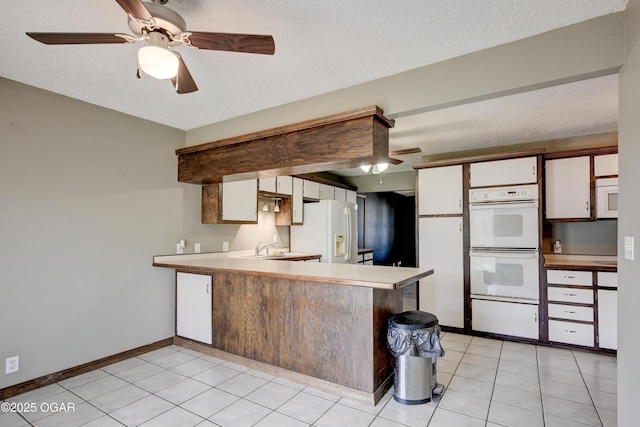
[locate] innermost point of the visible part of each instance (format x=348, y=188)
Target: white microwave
x=607, y=198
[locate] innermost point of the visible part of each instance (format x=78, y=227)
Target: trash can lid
x=413, y=320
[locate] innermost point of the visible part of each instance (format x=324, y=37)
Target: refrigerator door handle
x=347, y=214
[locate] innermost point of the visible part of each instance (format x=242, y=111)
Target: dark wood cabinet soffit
x=339, y=141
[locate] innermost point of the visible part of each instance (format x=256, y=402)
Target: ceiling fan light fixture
x=379, y=168
x=158, y=62
x=365, y=168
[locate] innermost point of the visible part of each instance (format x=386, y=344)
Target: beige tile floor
x=488, y=383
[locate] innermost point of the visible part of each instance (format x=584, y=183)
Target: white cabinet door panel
x=340, y=194
x=571, y=333
x=441, y=248
x=297, y=202
x=570, y=277
x=311, y=190
x=504, y=172
x=608, y=319
x=571, y=312
x=505, y=318
x=284, y=185
x=579, y=296
x=568, y=188
x=240, y=201
x=440, y=190
x=193, y=307
x=607, y=278
x=606, y=164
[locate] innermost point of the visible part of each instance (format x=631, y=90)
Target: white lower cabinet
x=579, y=296
x=441, y=248
x=571, y=312
x=505, y=318
x=571, y=333
x=608, y=319
x=193, y=307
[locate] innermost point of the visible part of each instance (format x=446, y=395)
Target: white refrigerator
x=330, y=228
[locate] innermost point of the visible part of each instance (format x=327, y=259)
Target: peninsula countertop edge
x=371, y=276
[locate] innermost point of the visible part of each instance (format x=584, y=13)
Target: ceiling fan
x=381, y=167
x=159, y=29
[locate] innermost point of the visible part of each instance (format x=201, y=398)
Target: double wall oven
x=504, y=240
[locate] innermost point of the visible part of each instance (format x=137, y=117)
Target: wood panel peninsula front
x=321, y=324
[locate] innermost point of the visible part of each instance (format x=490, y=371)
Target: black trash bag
x=428, y=342
x=424, y=342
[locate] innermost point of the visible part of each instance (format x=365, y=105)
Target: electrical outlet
x=12, y=364
x=197, y=248
x=225, y=246
x=275, y=238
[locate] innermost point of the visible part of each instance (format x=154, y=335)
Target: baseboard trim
x=35, y=383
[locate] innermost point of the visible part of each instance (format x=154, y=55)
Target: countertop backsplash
x=582, y=238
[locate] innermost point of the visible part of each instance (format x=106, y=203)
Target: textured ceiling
x=320, y=47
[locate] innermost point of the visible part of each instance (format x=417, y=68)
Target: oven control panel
x=503, y=194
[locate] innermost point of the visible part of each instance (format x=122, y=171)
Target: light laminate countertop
x=581, y=262
x=372, y=276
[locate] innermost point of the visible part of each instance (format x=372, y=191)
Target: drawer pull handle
x=569, y=277
x=571, y=332
x=570, y=312
x=570, y=295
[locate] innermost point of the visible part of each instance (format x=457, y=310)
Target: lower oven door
x=505, y=274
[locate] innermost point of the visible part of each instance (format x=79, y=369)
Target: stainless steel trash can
x=413, y=337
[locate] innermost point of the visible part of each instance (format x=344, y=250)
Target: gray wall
x=628, y=223
x=88, y=197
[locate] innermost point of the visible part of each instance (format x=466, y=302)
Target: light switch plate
x=197, y=248
x=225, y=246
x=629, y=247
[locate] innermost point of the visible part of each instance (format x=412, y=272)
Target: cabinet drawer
x=571, y=312
x=570, y=277
x=582, y=296
x=571, y=333
x=606, y=278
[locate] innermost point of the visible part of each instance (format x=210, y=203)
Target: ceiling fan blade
x=77, y=38
x=395, y=161
x=246, y=43
x=135, y=8
x=405, y=151
x=183, y=82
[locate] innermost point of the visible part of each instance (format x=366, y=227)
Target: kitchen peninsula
x=322, y=324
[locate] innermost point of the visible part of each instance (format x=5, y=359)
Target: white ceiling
x=320, y=47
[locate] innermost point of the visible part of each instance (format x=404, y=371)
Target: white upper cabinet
x=267, y=184
x=279, y=185
x=284, y=185
x=440, y=190
x=352, y=196
x=296, y=201
x=340, y=194
x=240, y=201
x=568, y=188
x=505, y=172
x=311, y=190
x=327, y=192
x=605, y=165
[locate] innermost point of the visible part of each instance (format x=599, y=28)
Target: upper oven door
x=504, y=225
x=505, y=274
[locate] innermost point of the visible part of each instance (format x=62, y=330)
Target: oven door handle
x=524, y=253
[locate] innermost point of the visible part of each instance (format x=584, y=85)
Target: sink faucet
x=260, y=249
